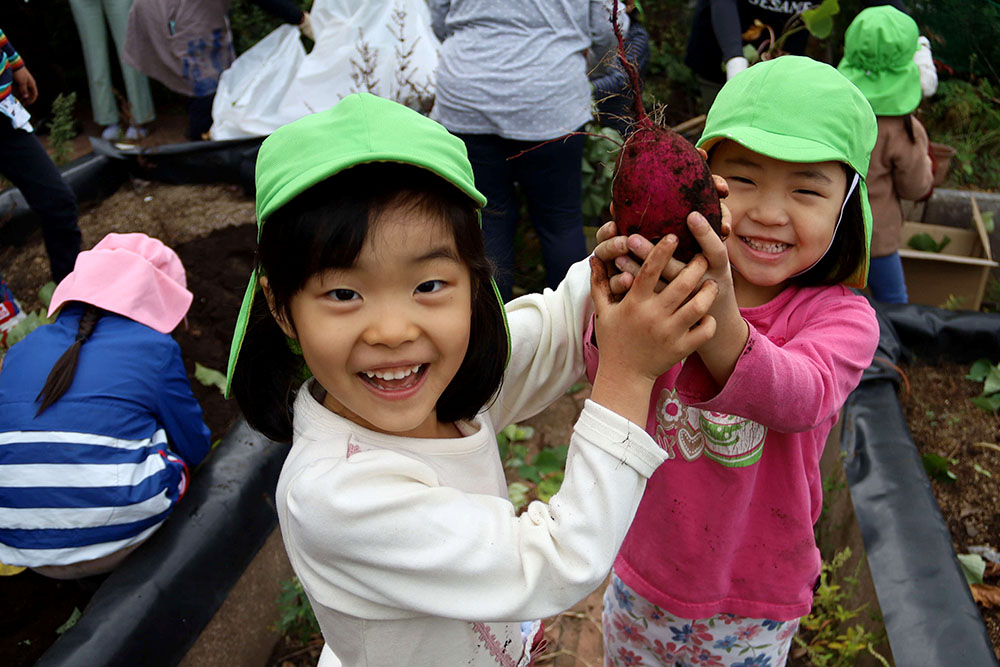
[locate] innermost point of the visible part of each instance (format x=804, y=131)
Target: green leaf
x=529, y=473
x=31, y=321
x=210, y=377
x=991, y=384
x=982, y=471
x=988, y=403
x=980, y=369
x=988, y=222
x=549, y=487
x=819, y=20
x=551, y=460
x=925, y=242
x=70, y=622
x=936, y=467
x=518, y=494
x=973, y=567
x=45, y=293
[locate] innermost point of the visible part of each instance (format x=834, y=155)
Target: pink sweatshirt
x=726, y=523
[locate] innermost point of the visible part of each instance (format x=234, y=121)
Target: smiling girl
x=720, y=561
x=372, y=284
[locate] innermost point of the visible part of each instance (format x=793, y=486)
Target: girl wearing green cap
x=372, y=282
x=878, y=57
x=720, y=561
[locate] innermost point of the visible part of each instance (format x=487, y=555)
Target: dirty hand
x=24, y=86
x=649, y=330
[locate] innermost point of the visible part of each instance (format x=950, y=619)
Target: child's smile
x=784, y=217
x=386, y=336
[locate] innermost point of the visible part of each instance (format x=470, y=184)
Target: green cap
x=360, y=129
x=878, y=57
x=797, y=109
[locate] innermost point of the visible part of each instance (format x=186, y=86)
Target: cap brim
x=241, y=328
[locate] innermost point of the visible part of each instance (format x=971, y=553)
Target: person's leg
x=89, y=18
x=886, y=280
x=199, y=116
x=140, y=99
x=488, y=154
x=637, y=631
x=551, y=179
x=26, y=164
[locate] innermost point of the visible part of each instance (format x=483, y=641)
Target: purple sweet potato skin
x=659, y=179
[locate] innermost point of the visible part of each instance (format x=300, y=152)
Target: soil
x=943, y=420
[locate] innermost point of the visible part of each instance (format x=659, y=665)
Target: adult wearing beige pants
x=93, y=18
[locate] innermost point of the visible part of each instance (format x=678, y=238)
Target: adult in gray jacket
x=511, y=77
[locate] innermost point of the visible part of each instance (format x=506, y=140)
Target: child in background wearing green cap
x=878, y=57
x=720, y=561
x=392, y=501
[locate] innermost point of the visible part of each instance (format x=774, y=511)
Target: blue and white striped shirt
x=102, y=467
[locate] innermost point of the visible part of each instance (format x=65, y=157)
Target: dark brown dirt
x=943, y=420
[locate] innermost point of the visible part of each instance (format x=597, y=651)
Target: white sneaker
x=135, y=133
x=111, y=132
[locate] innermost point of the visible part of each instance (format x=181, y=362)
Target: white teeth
x=771, y=247
x=393, y=375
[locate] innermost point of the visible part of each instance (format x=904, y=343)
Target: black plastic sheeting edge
x=229, y=161
x=929, y=613
x=935, y=333
x=151, y=610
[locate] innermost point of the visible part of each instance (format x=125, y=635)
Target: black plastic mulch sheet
x=929, y=613
x=151, y=610
x=230, y=161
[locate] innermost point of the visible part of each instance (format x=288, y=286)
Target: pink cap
x=133, y=275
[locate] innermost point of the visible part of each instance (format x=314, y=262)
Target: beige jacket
x=900, y=169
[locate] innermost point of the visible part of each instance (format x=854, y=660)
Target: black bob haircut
x=847, y=250
x=326, y=227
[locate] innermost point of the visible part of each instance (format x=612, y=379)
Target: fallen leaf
x=992, y=569
x=986, y=594
x=754, y=31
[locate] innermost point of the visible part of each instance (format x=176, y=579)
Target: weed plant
x=61, y=129
x=828, y=635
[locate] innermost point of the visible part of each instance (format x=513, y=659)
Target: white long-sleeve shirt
x=409, y=550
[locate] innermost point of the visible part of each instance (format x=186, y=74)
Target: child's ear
x=278, y=317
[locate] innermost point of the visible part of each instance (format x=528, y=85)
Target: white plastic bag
x=251, y=90
x=386, y=48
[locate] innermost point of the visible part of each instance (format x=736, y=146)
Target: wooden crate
x=960, y=271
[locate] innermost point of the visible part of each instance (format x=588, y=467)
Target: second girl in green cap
x=720, y=561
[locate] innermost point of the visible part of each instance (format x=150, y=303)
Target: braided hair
x=61, y=376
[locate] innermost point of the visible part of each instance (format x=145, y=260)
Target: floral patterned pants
x=637, y=632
